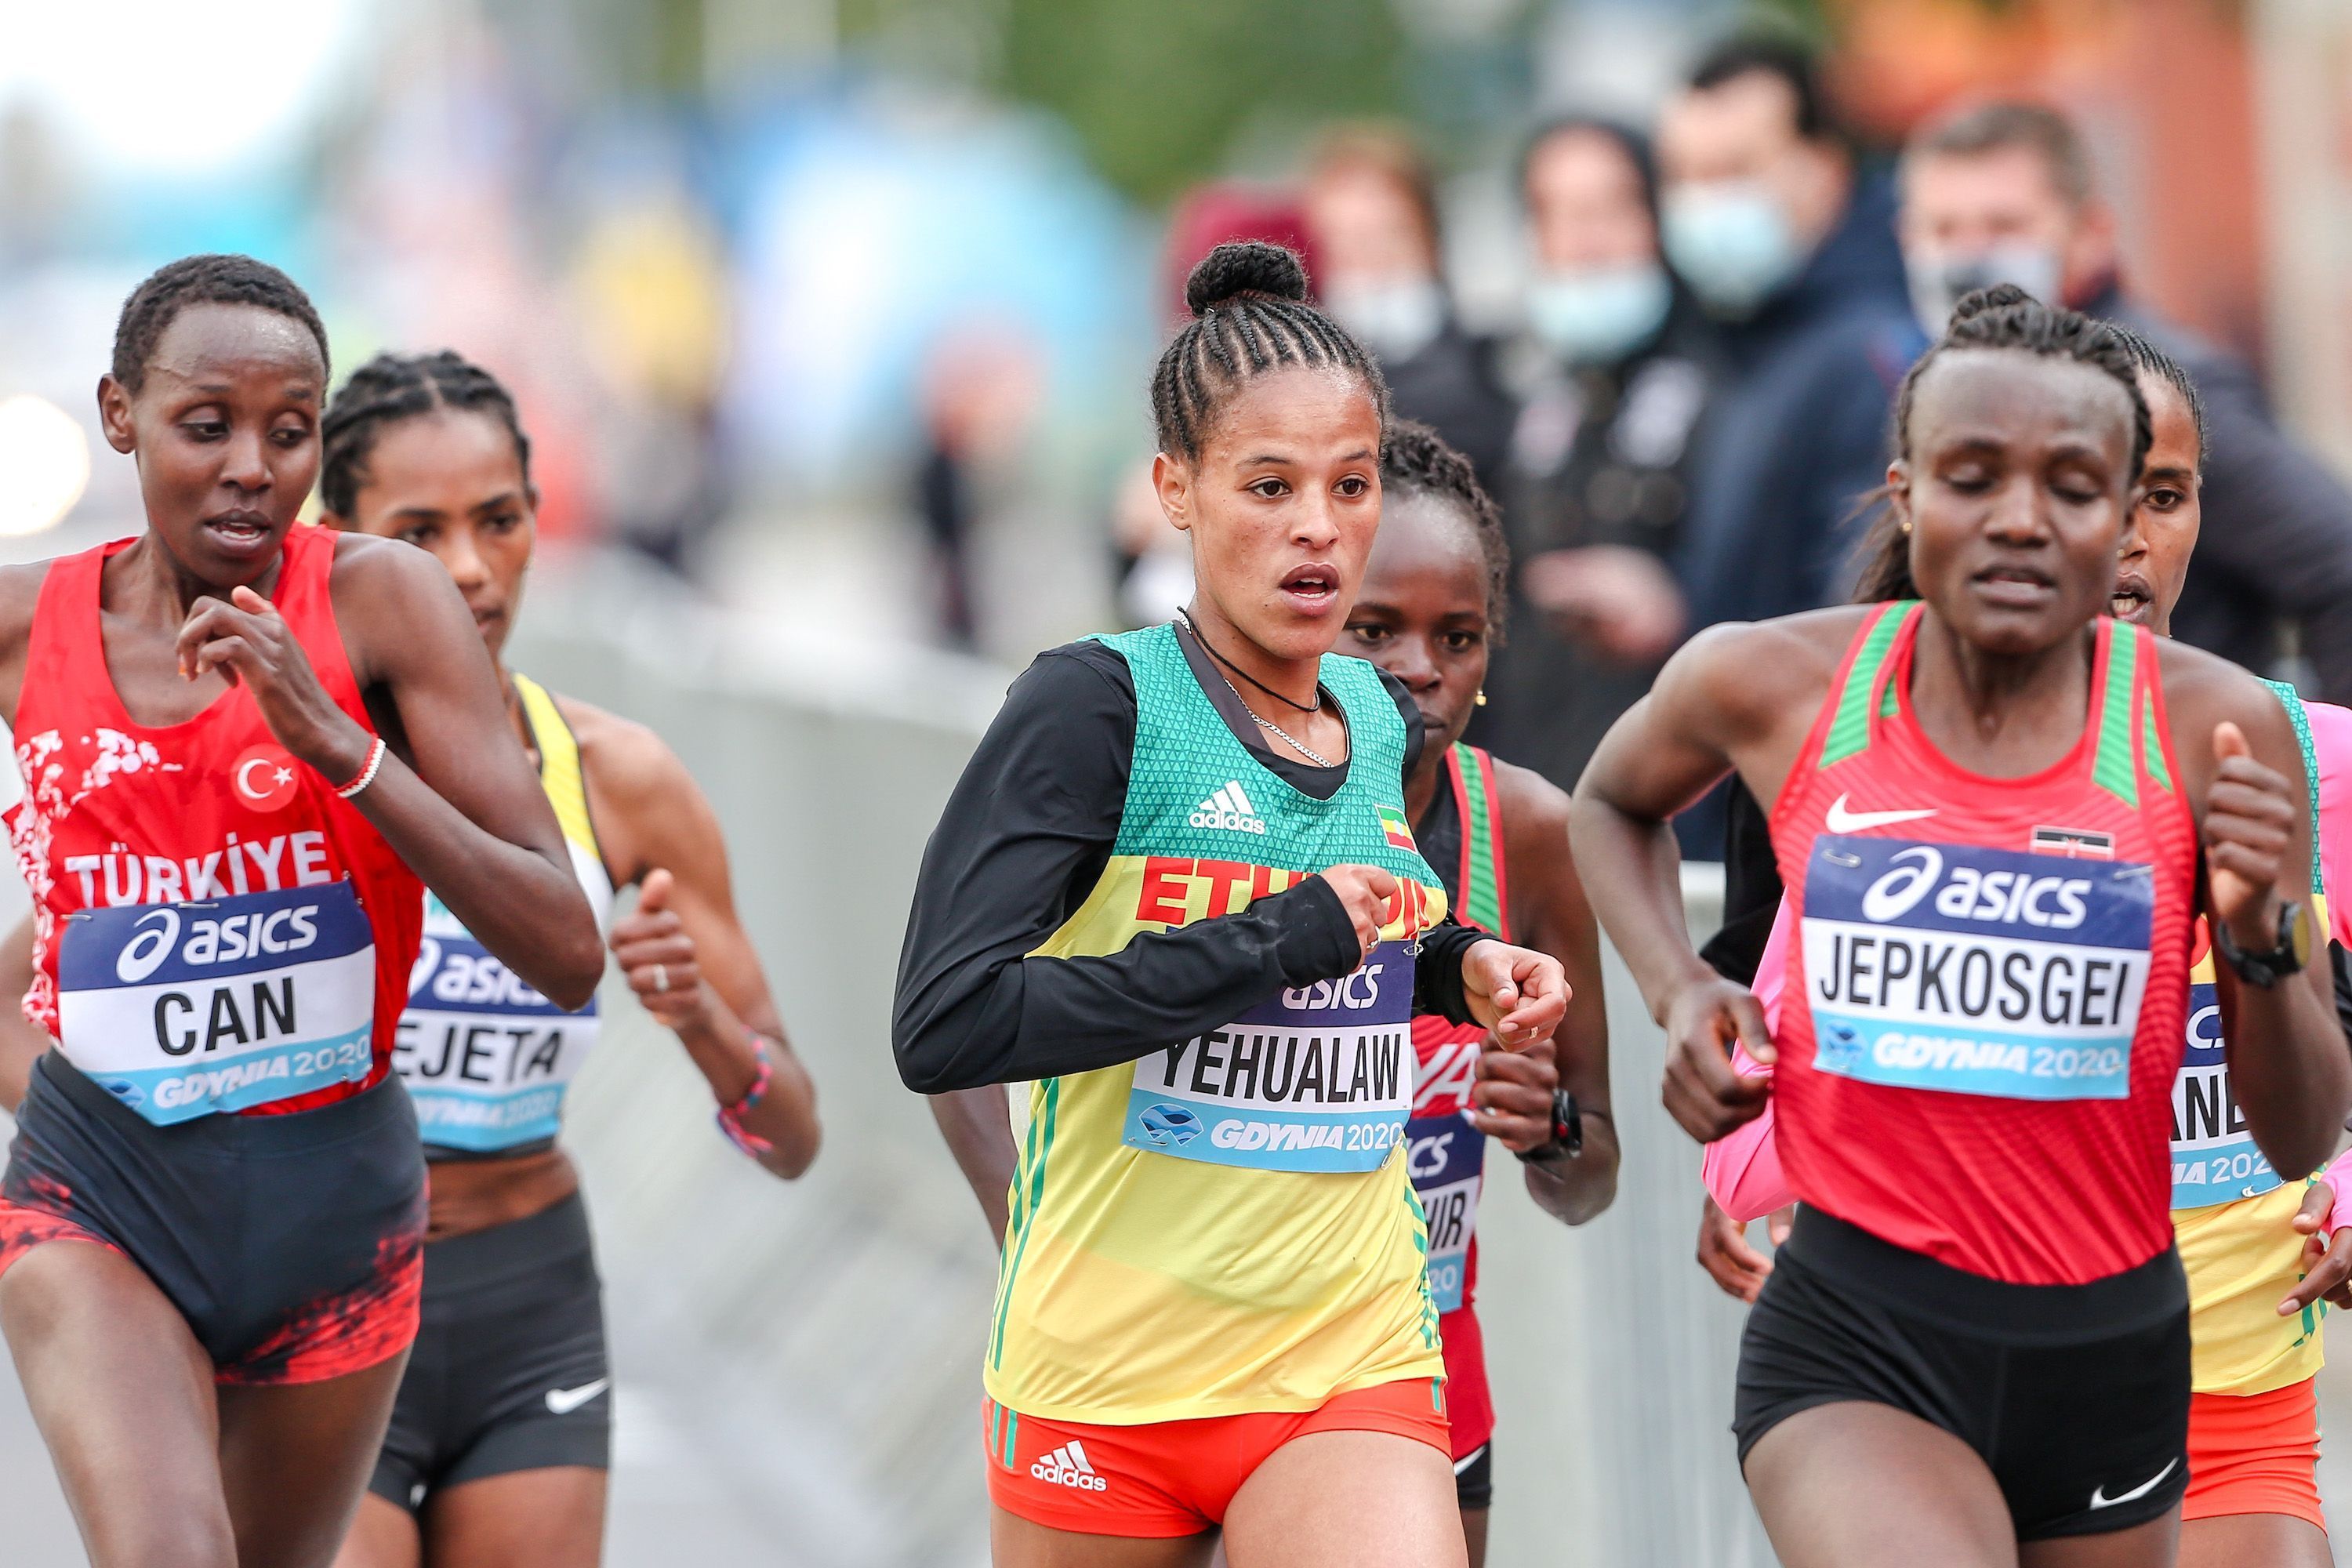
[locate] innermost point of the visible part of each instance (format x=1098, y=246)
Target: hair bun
x=1999, y=296
x=1240, y=268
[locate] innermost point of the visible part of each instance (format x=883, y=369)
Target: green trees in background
x=1158, y=90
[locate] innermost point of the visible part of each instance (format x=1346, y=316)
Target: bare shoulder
x=382, y=583
x=20, y=594
x=1765, y=670
x=2202, y=690
x=1535, y=809
x=367, y=561
x=628, y=765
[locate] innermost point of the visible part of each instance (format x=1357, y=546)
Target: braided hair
x=202, y=280
x=393, y=387
x=2146, y=356
x=1250, y=315
x=2001, y=316
x=2006, y=317
x=1417, y=462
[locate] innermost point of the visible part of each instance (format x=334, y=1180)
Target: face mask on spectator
x=1731, y=242
x=1395, y=319
x=1597, y=315
x=1938, y=282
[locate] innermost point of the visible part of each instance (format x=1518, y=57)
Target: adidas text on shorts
x=1165, y=1478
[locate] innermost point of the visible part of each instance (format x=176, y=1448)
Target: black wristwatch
x=1567, y=1132
x=2291, y=951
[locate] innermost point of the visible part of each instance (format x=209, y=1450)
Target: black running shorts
x=289, y=1243
x=2076, y=1396
x=509, y=1373
x=1474, y=1478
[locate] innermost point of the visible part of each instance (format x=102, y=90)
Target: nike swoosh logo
x=2099, y=1497
x=1841, y=820
x=565, y=1401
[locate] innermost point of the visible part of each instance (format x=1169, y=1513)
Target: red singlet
x=1447, y=1154
x=1994, y=973
x=214, y=929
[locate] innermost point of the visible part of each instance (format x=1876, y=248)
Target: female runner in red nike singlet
x=1428, y=614
x=1974, y=1348
x=244, y=743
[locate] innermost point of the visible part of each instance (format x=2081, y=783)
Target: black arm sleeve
x=1437, y=974
x=1024, y=838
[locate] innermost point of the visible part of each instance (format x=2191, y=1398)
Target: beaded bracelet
x=730, y=1117
x=367, y=773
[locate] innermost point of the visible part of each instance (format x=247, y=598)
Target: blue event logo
x=1169, y=1126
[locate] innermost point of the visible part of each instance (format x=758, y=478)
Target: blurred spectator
x=980, y=390
x=1613, y=372
x=1371, y=205
x=2004, y=193
x=650, y=278
x=1793, y=253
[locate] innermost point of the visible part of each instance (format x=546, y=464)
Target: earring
x=1906, y=527
x=1481, y=697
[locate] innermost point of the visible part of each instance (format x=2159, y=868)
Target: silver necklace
x=1271, y=728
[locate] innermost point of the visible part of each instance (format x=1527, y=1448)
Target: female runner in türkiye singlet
x=1976, y=1341
x=243, y=744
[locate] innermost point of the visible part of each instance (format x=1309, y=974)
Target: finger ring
x=661, y=976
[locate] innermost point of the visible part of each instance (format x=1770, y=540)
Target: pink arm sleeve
x=1742, y=1169
x=2331, y=746
x=2338, y=1176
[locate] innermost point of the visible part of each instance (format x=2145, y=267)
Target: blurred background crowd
x=840, y=310
x=831, y=320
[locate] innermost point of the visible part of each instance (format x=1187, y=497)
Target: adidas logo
x=1228, y=808
x=1066, y=1466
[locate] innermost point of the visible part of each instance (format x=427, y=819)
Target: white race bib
x=1319, y=1078
x=181, y=1010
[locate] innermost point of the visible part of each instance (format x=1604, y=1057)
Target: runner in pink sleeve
x=2332, y=749
x=1742, y=1170
x=2253, y=1431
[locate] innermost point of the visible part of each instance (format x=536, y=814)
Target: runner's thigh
x=124, y=1396
x=1017, y=1543
x=2150, y=1545
x=295, y=1459
x=1857, y=1485
x=1347, y=1499
x=553, y=1518
x=2272, y=1539
x=383, y=1535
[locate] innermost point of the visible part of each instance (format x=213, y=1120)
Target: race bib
x=2214, y=1158
x=182, y=1010
x=1975, y=971
x=486, y=1058
x=1446, y=1158
x=1319, y=1078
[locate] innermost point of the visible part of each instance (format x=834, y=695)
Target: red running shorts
x=1175, y=1478
x=2255, y=1453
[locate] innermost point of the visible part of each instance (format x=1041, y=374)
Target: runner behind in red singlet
x=238, y=737
x=1497, y=836
x=1976, y=1333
